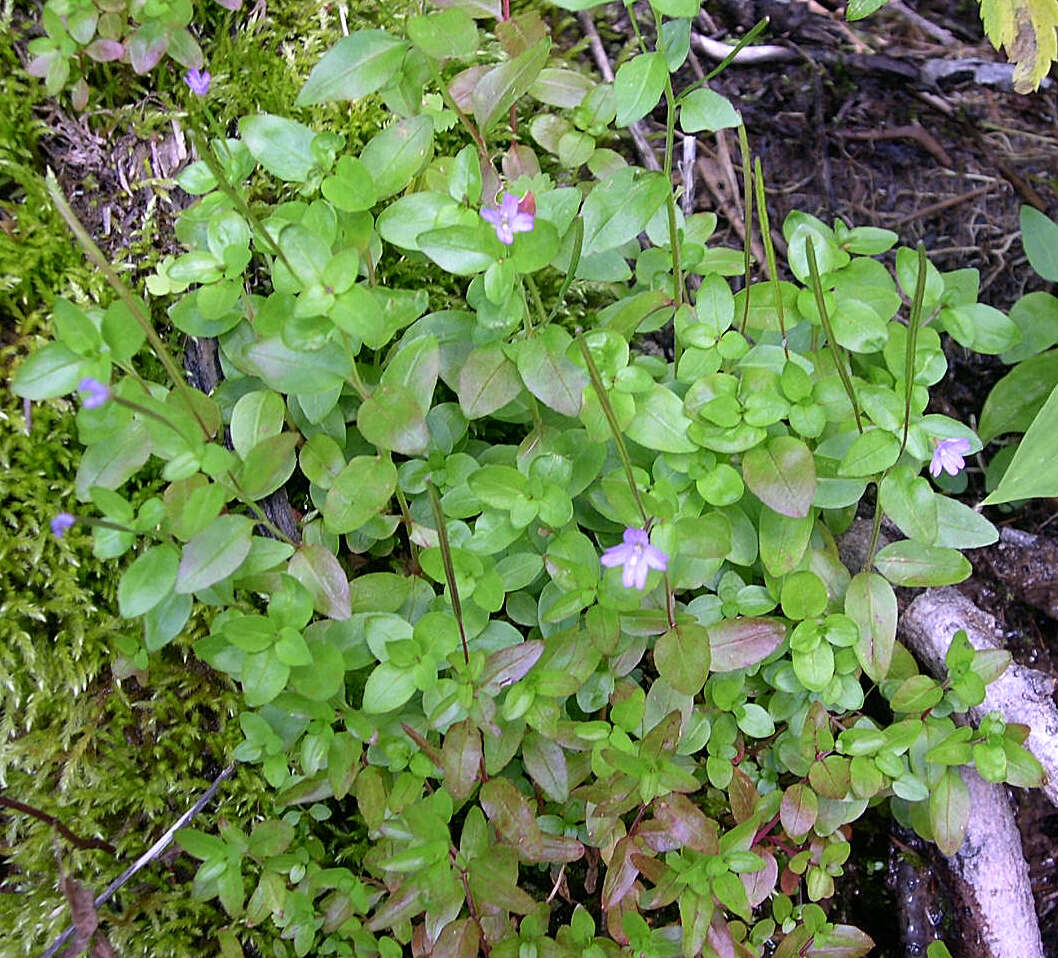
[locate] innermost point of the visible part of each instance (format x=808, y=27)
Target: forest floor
x=909, y=124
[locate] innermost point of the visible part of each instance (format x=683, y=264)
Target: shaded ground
x=855, y=124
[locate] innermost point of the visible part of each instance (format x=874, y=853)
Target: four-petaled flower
x=198, y=81
x=948, y=455
x=95, y=393
x=508, y=220
x=61, y=523
x=637, y=556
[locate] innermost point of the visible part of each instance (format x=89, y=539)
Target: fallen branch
x=148, y=856
x=1020, y=694
x=75, y=840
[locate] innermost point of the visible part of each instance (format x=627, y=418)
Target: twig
x=912, y=131
x=942, y=205
x=747, y=56
x=687, y=178
x=73, y=839
x=926, y=26
x=153, y=852
x=602, y=61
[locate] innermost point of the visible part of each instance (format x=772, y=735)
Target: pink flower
x=198, y=81
x=508, y=220
x=948, y=456
x=637, y=556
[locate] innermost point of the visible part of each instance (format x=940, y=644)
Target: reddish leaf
x=316, y=568
x=461, y=759
x=508, y=665
x=458, y=940
x=743, y=795
x=740, y=643
x=687, y=823
x=620, y=875
x=798, y=810
x=843, y=941
x=759, y=885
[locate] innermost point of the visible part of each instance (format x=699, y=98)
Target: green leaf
x=393, y=419
x=148, y=581
x=461, y=757
x=783, y=541
x=54, y=370
x=215, y=553
x=257, y=415
x=681, y=656
x=316, y=568
x=910, y=502
x=387, y=688
x=201, y=845
x=1016, y=399
x=402, y=221
x=360, y=491
x=871, y=603
x=1039, y=236
x=398, y=153
x=618, y=209
x=911, y=563
x=355, y=66
x=949, y=811
x=165, y=621
x=447, y=33
x=487, y=381
x=499, y=89
x=548, y=374
x=324, y=677
x=1031, y=473
x=270, y=464
x=281, y=146
x=782, y=474
x=858, y=9
x=660, y=422
x=707, y=110
x=110, y=462
x=74, y=329
x=960, y=527
x=638, y=86
x=870, y=453
x=463, y=250
x=263, y=677
x=741, y=643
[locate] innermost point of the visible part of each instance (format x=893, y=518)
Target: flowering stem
x=914, y=321
x=670, y=198
x=876, y=524
x=615, y=429
x=446, y=559
x=769, y=251
x=747, y=219
x=571, y=272
x=134, y=307
x=836, y=351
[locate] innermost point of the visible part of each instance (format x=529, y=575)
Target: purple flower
x=637, y=556
x=198, y=81
x=61, y=523
x=508, y=220
x=95, y=392
x=949, y=456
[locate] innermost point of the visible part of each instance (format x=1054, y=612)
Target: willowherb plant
x=566, y=619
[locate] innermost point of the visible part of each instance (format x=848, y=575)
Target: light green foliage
x=442, y=658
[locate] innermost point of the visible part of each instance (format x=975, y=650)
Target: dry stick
x=153, y=852
x=84, y=843
x=942, y=205
x=911, y=131
x=602, y=61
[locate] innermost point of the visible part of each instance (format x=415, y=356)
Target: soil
x=851, y=127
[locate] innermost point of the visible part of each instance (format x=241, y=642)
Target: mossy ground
x=112, y=759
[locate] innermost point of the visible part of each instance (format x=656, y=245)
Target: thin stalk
x=611, y=419
x=876, y=525
x=747, y=220
x=769, y=250
x=125, y=294
x=538, y=303
x=836, y=351
x=914, y=321
x=670, y=200
x=630, y=8
x=449, y=101
x=574, y=262
x=405, y=514
x=206, y=155
x=446, y=559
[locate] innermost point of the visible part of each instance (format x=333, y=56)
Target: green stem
x=239, y=201
x=446, y=559
x=769, y=250
x=630, y=8
x=836, y=351
x=405, y=513
x=611, y=419
x=475, y=133
x=914, y=322
x=747, y=220
x=538, y=303
x=876, y=525
x=571, y=272
x=125, y=294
